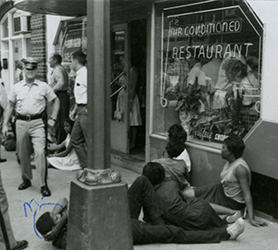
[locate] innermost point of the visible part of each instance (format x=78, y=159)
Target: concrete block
x=99, y=217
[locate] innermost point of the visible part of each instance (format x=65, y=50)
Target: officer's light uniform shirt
x=31, y=100
x=80, y=87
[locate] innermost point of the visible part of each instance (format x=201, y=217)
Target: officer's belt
x=29, y=117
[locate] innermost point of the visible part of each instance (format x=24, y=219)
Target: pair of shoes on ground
x=236, y=229
x=233, y=218
x=2, y=160
x=20, y=245
x=27, y=183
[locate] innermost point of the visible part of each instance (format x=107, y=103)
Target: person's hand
x=256, y=223
x=51, y=146
x=73, y=112
x=51, y=155
x=50, y=122
x=5, y=130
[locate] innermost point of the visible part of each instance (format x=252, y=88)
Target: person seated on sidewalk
x=234, y=189
x=67, y=159
x=141, y=194
x=190, y=214
x=178, y=135
x=175, y=169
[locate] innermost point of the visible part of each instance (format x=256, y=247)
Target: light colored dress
x=69, y=162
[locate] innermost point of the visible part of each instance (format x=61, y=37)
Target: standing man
x=29, y=98
x=79, y=131
x=59, y=83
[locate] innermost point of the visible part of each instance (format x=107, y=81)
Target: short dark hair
x=177, y=133
x=174, y=149
x=80, y=57
x=57, y=57
x=235, y=145
x=45, y=223
x=155, y=172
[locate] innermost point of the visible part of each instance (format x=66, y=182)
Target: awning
x=54, y=7
x=72, y=7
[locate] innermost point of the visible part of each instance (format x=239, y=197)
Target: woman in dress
x=67, y=159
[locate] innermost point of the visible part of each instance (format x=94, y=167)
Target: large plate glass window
x=211, y=68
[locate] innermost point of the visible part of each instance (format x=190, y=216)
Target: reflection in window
x=118, y=76
x=211, y=71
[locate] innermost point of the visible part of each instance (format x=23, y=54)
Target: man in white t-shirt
x=79, y=132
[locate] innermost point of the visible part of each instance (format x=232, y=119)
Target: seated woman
x=67, y=159
x=177, y=134
x=176, y=161
x=234, y=189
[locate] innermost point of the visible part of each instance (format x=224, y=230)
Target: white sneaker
x=233, y=218
x=236, y=229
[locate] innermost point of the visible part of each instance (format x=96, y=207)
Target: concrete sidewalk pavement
x=59, y=182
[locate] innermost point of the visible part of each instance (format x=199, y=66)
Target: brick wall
x=38, y=42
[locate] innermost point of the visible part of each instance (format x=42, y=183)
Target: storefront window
x=210, y=64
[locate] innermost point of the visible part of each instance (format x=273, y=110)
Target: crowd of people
x=174, y=211
x=42, y=126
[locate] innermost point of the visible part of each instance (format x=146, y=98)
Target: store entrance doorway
x=128, y=88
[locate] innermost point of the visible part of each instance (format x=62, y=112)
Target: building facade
x=168, y=42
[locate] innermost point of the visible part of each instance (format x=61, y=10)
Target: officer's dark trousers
x=142, y=195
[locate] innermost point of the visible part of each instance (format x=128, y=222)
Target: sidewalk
x=59, y=183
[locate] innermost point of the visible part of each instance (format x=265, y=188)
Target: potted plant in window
x=190, y=105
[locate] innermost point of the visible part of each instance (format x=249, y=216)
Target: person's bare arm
x=54, y=147
x=65, y=152
x=9, y=111
x=242, y=176
x=59, y=208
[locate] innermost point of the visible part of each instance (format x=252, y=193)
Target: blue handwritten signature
x=34, y=207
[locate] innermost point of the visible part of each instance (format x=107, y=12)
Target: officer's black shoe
x=45, y=191
x=25, y=184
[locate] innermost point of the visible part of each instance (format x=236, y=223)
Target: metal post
x=99, y=77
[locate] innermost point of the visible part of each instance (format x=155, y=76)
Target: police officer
x=29, y=98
